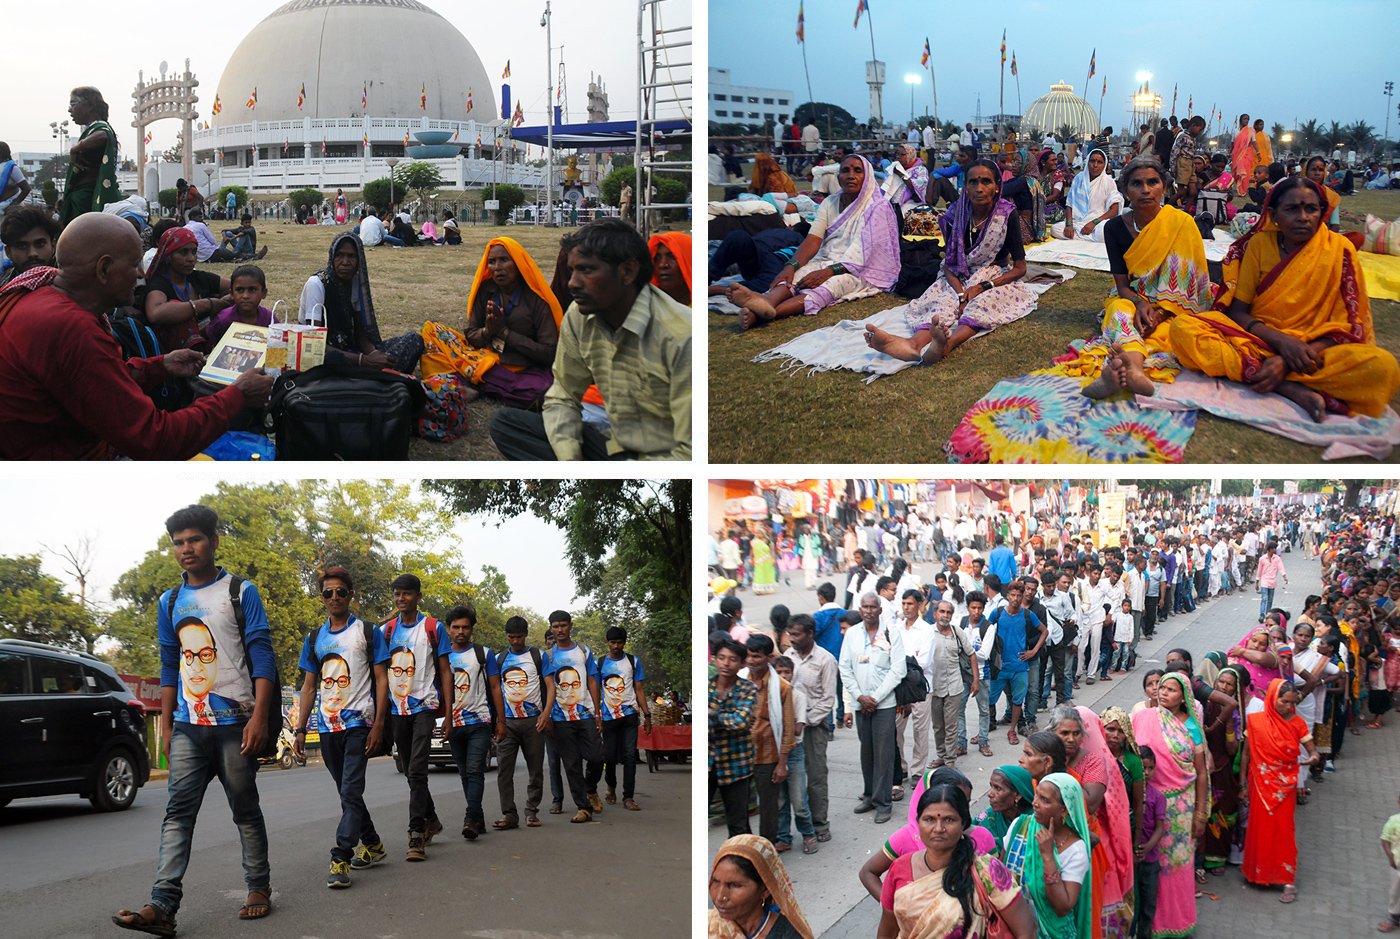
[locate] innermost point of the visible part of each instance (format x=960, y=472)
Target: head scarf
x=1116, y=715
x=170, y=242
x=1211, y=664
x=878, y=264
x=1020, y=779
x=764, y=857
x=1114, y=814
x=678, y=243
x=956, y=222
x=1091, y=197
x=1193, y=727
x=769, y=177
x=1033, y=875
x=1273, y=743
x=340, y=307
x=529, y=271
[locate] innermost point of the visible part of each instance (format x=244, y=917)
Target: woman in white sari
x=851, y=252
x=1093, y=199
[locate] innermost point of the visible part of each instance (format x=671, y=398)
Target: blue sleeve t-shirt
x=345, y=668
x=618, y=678
x=202, y=653
x=413, y=653
x=1012, y=629
x=522, y=685
x=471, y=675
x=571, y=669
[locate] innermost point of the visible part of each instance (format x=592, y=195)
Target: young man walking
x=521, y=725
x=217, y=686
x=624, y=709
x=575, y=714
x=476, y=695
x=418, y=648
x=347, y=661
x=814, y=672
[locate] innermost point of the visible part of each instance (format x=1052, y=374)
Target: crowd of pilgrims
x=1287, y=313
x=1106, y=824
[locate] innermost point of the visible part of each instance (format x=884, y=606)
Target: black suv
x=68, y=724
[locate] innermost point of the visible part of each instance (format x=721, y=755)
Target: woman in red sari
x=1270, y=845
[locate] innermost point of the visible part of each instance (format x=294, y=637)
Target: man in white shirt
x=780, y=134
x=1093, y=619
x=930, y=139
x=372, y=231
x=917, y=637
x=1135, y=580
x=1062, y=619
x=965, y=138
x=872, y=666
x=729, y=557
x=811, y=137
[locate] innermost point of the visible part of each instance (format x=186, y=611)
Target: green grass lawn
x=829, y=417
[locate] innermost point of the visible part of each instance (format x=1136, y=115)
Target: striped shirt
x=642, y=370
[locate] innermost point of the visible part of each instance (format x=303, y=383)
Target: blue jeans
x=1015, y=684
x=1266, y=600
x=344, y=755
x=470, y=744
x=391, y=240
x=792, y=793
x=1119, y=659
x=984, y=714
x=197, y=756
x=1105, y=658
x=1034, y=676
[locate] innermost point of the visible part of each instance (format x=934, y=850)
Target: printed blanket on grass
x=1093, y=255
x=1045, y=419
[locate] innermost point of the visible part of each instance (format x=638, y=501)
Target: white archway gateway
x=157, y=101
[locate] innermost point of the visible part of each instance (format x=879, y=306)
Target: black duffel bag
x=340, y=412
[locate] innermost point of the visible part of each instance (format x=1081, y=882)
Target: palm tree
x=1335, y=135
x=1276, y=132
x=1361, y=136
x=1309, y=136
x=1065, y=133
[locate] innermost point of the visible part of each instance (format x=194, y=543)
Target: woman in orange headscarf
x=670, y=255
x=513, y=313
x=1275, y=733
x=1294, y=317
x=768, y=177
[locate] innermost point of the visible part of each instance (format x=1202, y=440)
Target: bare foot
x=1269, y=376
x=937, y=345
x=896, y=346
x=1107, y=382
x=1133, y=377
x=1305, y=398
x=757, y=311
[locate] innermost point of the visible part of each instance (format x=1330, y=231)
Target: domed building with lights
x=300, y=104
x=1061, y=107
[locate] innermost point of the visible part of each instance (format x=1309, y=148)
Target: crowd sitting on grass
x=1097, y=824
x=1289, y=315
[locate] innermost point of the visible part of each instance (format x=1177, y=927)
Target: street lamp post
x=1389, y=93
x=546, y=20
x=393, y=162
x=60, y=134
x=911, y=80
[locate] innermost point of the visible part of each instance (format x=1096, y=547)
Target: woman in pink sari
x=1243, y=155
x=1174, y=734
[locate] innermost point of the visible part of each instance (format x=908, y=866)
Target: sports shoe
x=415, y=847
x=339, y=875
x=367, y=855
x=434, y=828
x=595, y=802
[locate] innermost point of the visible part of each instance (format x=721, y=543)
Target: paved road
x=1342, y=883
x=68, y=868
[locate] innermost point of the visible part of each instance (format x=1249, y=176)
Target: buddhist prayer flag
x=455, y=132
x=301, y=96
x=924, y=61
x=323, y=146
x=148, y=138
x=1013, y=63
x=364, y=97
x=800, y=20
x=506, y=73
x=1093, y=56
x=253, y=99
x=217, y=106
x=1189, y=102
x=1173, y=111
x=423, y=97
x=405, y=137
x=519, y=117
x=861, y=7
x=1105, y=87
x=365, y=139
x=1003, y=47
x=286, y=142
x=469, y=101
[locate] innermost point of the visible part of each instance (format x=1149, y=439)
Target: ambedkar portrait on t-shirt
x=199, y=673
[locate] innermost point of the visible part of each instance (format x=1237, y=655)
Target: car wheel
x=115, y=783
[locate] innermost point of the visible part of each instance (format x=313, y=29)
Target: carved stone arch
x=172, y=97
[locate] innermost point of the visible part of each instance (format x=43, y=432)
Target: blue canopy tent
x=609, y=135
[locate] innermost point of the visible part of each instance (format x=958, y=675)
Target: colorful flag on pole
x=861, y=7
x=323, y=146
x=253, y=99
x=478, y=137
x=1105, y=87
x=506, y=73
x=1093, y=57
x=148, y=138
x=469, y=101
x=423, y=97
x=924, y=61
x=365, y=139
x=1013, y=62
x=1173, y=98
x=301, y=96
x=1189, y=102
x=364, y=97
x=455, y=132
x=405, y=137
x=519, y=117
x=286, y=142
x=1003, y=47
x=218, y=106
x=800, y=20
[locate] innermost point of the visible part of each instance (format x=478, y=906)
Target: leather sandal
x=506, y=823
x=256, y=910
x=581, y=816
x=533, y=821
x=149, y=919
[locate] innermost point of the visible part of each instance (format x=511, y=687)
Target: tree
x=376, y=193
x=166, y=198
x=49, y=190
x=1276, y=132
x=240, y=195
x=310, y=198
x=1065, y=134
x=1360, y=136
x=35, y=606
x=421, y=178
x=834, y=121
x=510, y=197
x=1334, y=136
x=627, y=543
x=668, y=189
x=1310, y=136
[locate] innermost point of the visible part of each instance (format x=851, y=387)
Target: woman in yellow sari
x=752, y=894
x=1158, y=262
x=1294, y=317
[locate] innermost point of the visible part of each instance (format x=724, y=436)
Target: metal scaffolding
x=661, y=84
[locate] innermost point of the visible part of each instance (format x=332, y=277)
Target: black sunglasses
x=335, y=592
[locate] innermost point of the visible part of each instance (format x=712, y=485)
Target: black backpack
x=274, y=712
x=138, y=341
x=919, y=262
x=913, y=688
x=339, y=412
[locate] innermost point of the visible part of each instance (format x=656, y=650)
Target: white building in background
x=358, y=106
x=746, y=104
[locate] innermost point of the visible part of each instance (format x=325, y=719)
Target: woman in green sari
x=1009, y=797
x=765, y=577
x=1048, y=851
x=92, y=167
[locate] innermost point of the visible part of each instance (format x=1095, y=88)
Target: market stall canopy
x=607, y=135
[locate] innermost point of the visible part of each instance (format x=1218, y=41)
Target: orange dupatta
x=530, y=273
x=678, y=243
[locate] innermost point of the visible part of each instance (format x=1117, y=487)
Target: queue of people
x=1098, y=824
x=403, y=681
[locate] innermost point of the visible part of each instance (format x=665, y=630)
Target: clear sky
x=1329, y=61
x=125, y=519
x=596, y=35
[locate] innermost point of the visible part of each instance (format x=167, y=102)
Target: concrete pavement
x=1342, y=881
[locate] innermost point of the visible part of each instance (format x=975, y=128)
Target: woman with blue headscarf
x=977, y=288
x=1093, y=199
